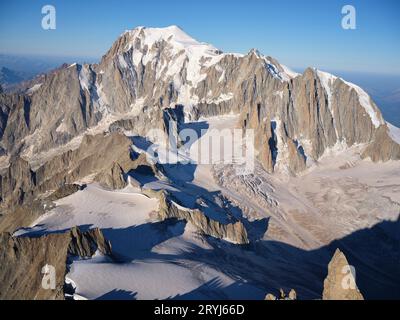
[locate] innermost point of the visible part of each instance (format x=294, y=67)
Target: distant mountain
x=384, y=90
x=390, y=107
x=32, y=84
x=17, y=68
x=8, y=76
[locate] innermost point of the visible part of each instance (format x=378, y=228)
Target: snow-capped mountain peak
x=148, y=44
x=172, y=34
x=176, y=39
x=180, y=49
x=149, y=71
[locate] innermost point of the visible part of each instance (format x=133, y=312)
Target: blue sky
x=297, y=33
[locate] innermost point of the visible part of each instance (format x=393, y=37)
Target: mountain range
x=75, y=153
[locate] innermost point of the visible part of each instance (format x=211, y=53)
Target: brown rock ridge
x=22, y=260
x=234, y=232
x=381, y=148
x=23, y=216
x=55, y=113
x=106, y=157
x=340, y=283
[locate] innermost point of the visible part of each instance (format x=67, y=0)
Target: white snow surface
x=97, y=207
x=160, y=274
x=62, y=127
x=154, y=257
x=289, y=72
x=34, y=88
x=84, y=77
x=94, y=89
x=223, y=97
x=394, y=132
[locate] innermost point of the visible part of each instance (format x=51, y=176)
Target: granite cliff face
x=22, y=260
x=340, y=283
x=233, y=231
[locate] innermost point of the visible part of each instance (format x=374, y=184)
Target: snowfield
x=96, y=207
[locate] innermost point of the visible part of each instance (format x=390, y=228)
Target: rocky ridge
x=234, y=231
x=340, y=283
x=297, y=117
x=23, y=259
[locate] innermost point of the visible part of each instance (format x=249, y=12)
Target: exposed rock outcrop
x=340, y=283
x=64, y=191
x=113, y=177
x=292, y=295
x=234, y=232
x=270, y=296
x=23, y=261
x=107, y=157
x=23, y=216
x=382, y=148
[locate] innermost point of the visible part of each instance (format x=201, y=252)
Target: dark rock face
x=14, y=121
x=24, y=215
x=17, y=182
x=64, y=191
x=22, y=260
x=310, y=118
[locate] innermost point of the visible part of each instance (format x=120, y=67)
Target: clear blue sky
x=297, y=33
